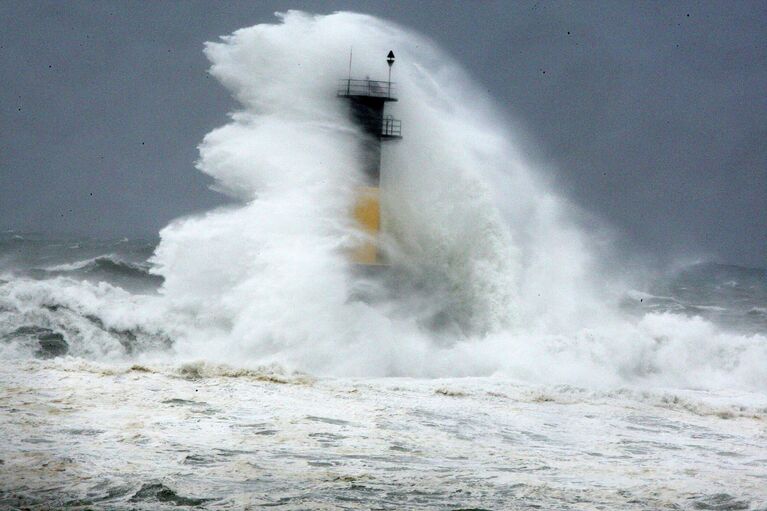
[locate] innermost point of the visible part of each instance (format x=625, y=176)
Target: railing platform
x=350, y=88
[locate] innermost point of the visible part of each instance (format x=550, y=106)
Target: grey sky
x=653, y=116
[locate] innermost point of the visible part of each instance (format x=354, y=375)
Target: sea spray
x=272, y=270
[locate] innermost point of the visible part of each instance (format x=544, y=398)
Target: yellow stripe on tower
x=367, y=213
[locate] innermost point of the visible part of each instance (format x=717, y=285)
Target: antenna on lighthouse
x=351, y=48
x=390, y=61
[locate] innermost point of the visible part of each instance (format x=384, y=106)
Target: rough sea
x=503, y=361
x=89, y=421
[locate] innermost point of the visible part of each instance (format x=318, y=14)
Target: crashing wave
x=63, y=316
x=109, y=268
x=491, y=272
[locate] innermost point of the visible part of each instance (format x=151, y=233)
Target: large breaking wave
x=490, y=275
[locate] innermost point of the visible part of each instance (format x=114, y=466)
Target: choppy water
x=239, y=362
x=116, y=434
x=82, y=435
x=728, y=295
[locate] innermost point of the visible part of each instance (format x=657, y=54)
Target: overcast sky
x=653, y=116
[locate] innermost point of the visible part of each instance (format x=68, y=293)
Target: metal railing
x=373, y=88
x=391, y=127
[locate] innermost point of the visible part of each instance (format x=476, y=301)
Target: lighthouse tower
x=367, y=99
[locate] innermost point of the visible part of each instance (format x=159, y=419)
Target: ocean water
x=239, y=362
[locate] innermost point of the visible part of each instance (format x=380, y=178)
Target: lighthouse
x=367, y=101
